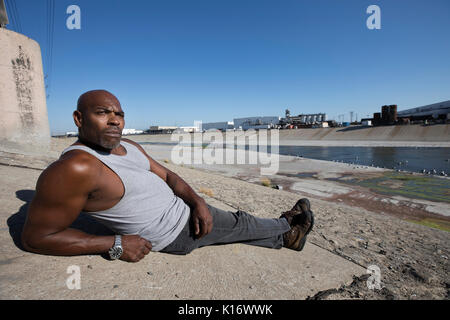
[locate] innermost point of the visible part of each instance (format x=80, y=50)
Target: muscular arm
x=201, y=215
x=61, y=193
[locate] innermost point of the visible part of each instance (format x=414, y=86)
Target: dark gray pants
x=232, y=227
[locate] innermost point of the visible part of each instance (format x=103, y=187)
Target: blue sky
x=171, y=62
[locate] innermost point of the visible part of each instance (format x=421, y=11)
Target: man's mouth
x=113, y=133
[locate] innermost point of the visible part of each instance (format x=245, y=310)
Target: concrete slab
x=234, y=271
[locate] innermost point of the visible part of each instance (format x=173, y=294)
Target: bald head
x=95, y=98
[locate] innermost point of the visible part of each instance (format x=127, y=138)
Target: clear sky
x=171, y=62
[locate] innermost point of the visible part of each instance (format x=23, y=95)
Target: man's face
x=102, y=121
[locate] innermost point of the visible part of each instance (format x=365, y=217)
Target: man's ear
x=77, y=118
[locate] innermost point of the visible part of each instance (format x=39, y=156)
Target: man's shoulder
x=77, y=163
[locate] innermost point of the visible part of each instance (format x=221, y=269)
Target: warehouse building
x=223, y=126
x=256, y=123
x=440, y=110
x=436, y=112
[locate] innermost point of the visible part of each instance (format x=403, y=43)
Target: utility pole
x=351, y=116
x=3, y=14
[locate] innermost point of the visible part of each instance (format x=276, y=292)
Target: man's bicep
x=56, y=204
x=158, y=169
x=51, y=216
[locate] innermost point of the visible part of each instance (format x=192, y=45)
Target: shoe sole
x=303, y=241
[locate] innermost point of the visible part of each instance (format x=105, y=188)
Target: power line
x=17, y=16
x=12, y=22
x=12, y=8
x=50, y=35
x=48, y=44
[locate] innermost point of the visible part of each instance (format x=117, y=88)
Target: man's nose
x=114, y=119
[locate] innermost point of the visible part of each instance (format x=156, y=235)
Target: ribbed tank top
x=148, y=207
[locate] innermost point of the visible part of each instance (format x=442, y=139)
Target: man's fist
x=134, y=248
x=203, y=221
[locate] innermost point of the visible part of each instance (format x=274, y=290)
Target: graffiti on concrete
x=23, y=78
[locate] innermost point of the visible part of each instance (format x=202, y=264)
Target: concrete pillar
x=23, y=122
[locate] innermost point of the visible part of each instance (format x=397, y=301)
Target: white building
x=435, y=110
x=187, y=129
x=256, y=122
x=131, y=131
x=225, y=125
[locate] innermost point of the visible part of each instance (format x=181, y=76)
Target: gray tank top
x=148, y=207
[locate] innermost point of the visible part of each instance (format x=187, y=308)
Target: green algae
x=406, y=185
x=433, y=223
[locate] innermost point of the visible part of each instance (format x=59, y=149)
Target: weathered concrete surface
x=24, y=123
x=232, y=271
x=399, y=133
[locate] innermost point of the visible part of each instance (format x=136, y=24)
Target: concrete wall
x=439, y=132
x=23, y=122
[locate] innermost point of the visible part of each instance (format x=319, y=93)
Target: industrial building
x=310, y=118
x=161, y=130
x=440, y=110
x=436, y=112
x=387, y=116
x=304, y=120
x=223, y=126
x=256, y=123
x=187, y=129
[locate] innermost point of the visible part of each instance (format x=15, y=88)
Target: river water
x=412, y=159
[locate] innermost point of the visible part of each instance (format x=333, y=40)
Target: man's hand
x=134, y=248
x=202, y=219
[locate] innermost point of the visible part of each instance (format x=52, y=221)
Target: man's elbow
x=27, y=247
x=25, y=243
x=30, y=243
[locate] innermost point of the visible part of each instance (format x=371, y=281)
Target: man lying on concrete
x=146, y=205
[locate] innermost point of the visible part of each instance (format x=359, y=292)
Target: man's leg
x=231, y=227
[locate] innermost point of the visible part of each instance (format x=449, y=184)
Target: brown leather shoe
x=301, y=219
x=302, y=206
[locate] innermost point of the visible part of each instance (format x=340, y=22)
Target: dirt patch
x=392, y=184
x=374, y=203
x=356, y=290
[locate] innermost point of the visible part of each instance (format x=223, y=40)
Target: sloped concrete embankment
x=235, y=271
